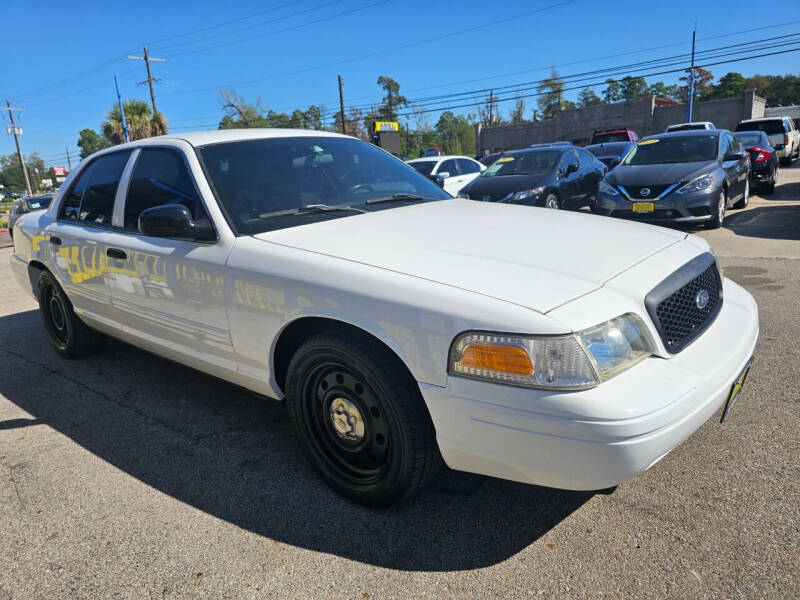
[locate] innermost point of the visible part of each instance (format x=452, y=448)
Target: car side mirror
x=733, y=156
x=171, y=221
x=439, y=178
x=571, y=168
x=443, y=174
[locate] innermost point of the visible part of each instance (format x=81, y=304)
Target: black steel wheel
x=70, y=336
x=360, y=419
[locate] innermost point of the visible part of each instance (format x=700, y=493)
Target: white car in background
x=455, y=171
x=697, y=125
x=398, y=325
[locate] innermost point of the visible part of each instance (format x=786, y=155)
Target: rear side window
x=160, y=177
x=448, y=166
x=91, y=199
x=467, y=166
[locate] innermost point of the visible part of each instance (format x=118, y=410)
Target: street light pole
x=15, y=130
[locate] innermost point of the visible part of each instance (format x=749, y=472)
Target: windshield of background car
x=771, y=127
x=39, y=203
x=749, y=139
x=253, y=179
x=532, y=162
x=621, y=136
x=425, y=167
x=614, y=149
x=678, y=149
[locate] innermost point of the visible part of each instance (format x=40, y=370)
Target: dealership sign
x=59, y=171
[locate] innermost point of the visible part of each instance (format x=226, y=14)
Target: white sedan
x=399, y=326
x=455, y=172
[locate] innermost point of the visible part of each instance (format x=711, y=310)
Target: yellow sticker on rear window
x=505, y=159
x=645, y=142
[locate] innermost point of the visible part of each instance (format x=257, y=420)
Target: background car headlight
x=607, y=188
x=577, y=361
x=521, y=195
x=695, y=185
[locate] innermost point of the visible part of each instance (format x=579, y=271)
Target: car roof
x=216, y=136
x=684, y=133
x=763, y=119
x=438, y=158
x=692, y=123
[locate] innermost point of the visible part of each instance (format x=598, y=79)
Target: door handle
x=55, y=240
x=116, y=253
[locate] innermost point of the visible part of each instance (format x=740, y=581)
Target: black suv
x=554, y=176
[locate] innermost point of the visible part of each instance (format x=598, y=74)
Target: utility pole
x=491, y=108
x=341, y=106
x=16, y=131
x=690, y=103
x=150, y=79
x=69, y=160
x=121, y=113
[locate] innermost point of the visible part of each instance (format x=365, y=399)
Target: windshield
x=39, y=202
x=772, y=127
x=615, y=149
x=749, y=139
x=425, y=167
x=255, y=179
x=532, y=162
x=687, y=127
x=617, y=136
x=679, y=149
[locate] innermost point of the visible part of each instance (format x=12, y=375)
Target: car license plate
x=644, y=207
x=736, y=389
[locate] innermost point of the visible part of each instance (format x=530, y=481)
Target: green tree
x=11, y=177
x=613, y=91
x=456, y=133
x=662, y=90
x=729, y=85
x=633, y=88
x=89, y=141
x=392, y=99
x=489, y=111
x=703, y=83
x=779, y=90
x=517, y=115
x=551, y=96
x=587, y=97
x=139, y=117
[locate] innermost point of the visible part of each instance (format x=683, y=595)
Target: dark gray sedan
x=26, y=205
x=682, y=177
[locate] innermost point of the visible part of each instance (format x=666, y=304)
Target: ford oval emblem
x=701, y=299
x=645, y=191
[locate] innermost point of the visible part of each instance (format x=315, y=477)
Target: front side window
x=570, y=158
x=91, y=198
x=160, y=177
x=424, y=166
x=679, y=149
x=275, y=183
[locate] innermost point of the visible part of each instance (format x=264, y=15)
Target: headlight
x=463, y=194
x=527, y=193
x=577, y=361
x=607, y=188
x=695, y=185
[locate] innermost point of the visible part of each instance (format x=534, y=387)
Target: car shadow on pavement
x=233, y=455
x=769, y=222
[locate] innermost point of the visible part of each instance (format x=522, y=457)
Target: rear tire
x=70, y=336
x=360, y=418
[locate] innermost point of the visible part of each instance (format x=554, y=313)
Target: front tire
x=360, y=419
x=70, y=336
x=745, y=200
x=718, y=216
x=551, y=201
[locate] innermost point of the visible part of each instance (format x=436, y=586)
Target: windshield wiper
x=310, y=208
x=399, y=198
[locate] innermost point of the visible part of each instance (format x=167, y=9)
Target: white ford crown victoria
x=400, y=326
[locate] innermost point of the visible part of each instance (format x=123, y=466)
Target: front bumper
x=694, y=207
x=597, y=438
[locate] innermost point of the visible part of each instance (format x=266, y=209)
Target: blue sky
x=299, y=46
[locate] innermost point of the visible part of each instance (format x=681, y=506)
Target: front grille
x=635, y=191
x=675, y=305
x=656, y=215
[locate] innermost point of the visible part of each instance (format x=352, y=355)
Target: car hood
x=534, y=257
x=663, y=174
x=498, y=186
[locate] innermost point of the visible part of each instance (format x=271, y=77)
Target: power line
x=385, y=51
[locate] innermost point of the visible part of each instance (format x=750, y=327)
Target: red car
x=614, y=135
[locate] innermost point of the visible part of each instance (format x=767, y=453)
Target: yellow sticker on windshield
x=505, y=159
x=645, y=142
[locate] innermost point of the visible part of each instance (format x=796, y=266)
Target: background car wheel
x=70, y=336
x=360, y=418
x=745, y=199
x=551, y=201
x=719, y=214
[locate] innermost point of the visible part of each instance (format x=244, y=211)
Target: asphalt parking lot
x=126, y=476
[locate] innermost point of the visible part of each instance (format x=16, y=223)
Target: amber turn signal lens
x=497, y=357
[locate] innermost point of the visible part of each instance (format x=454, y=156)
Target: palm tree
x=141, y=123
